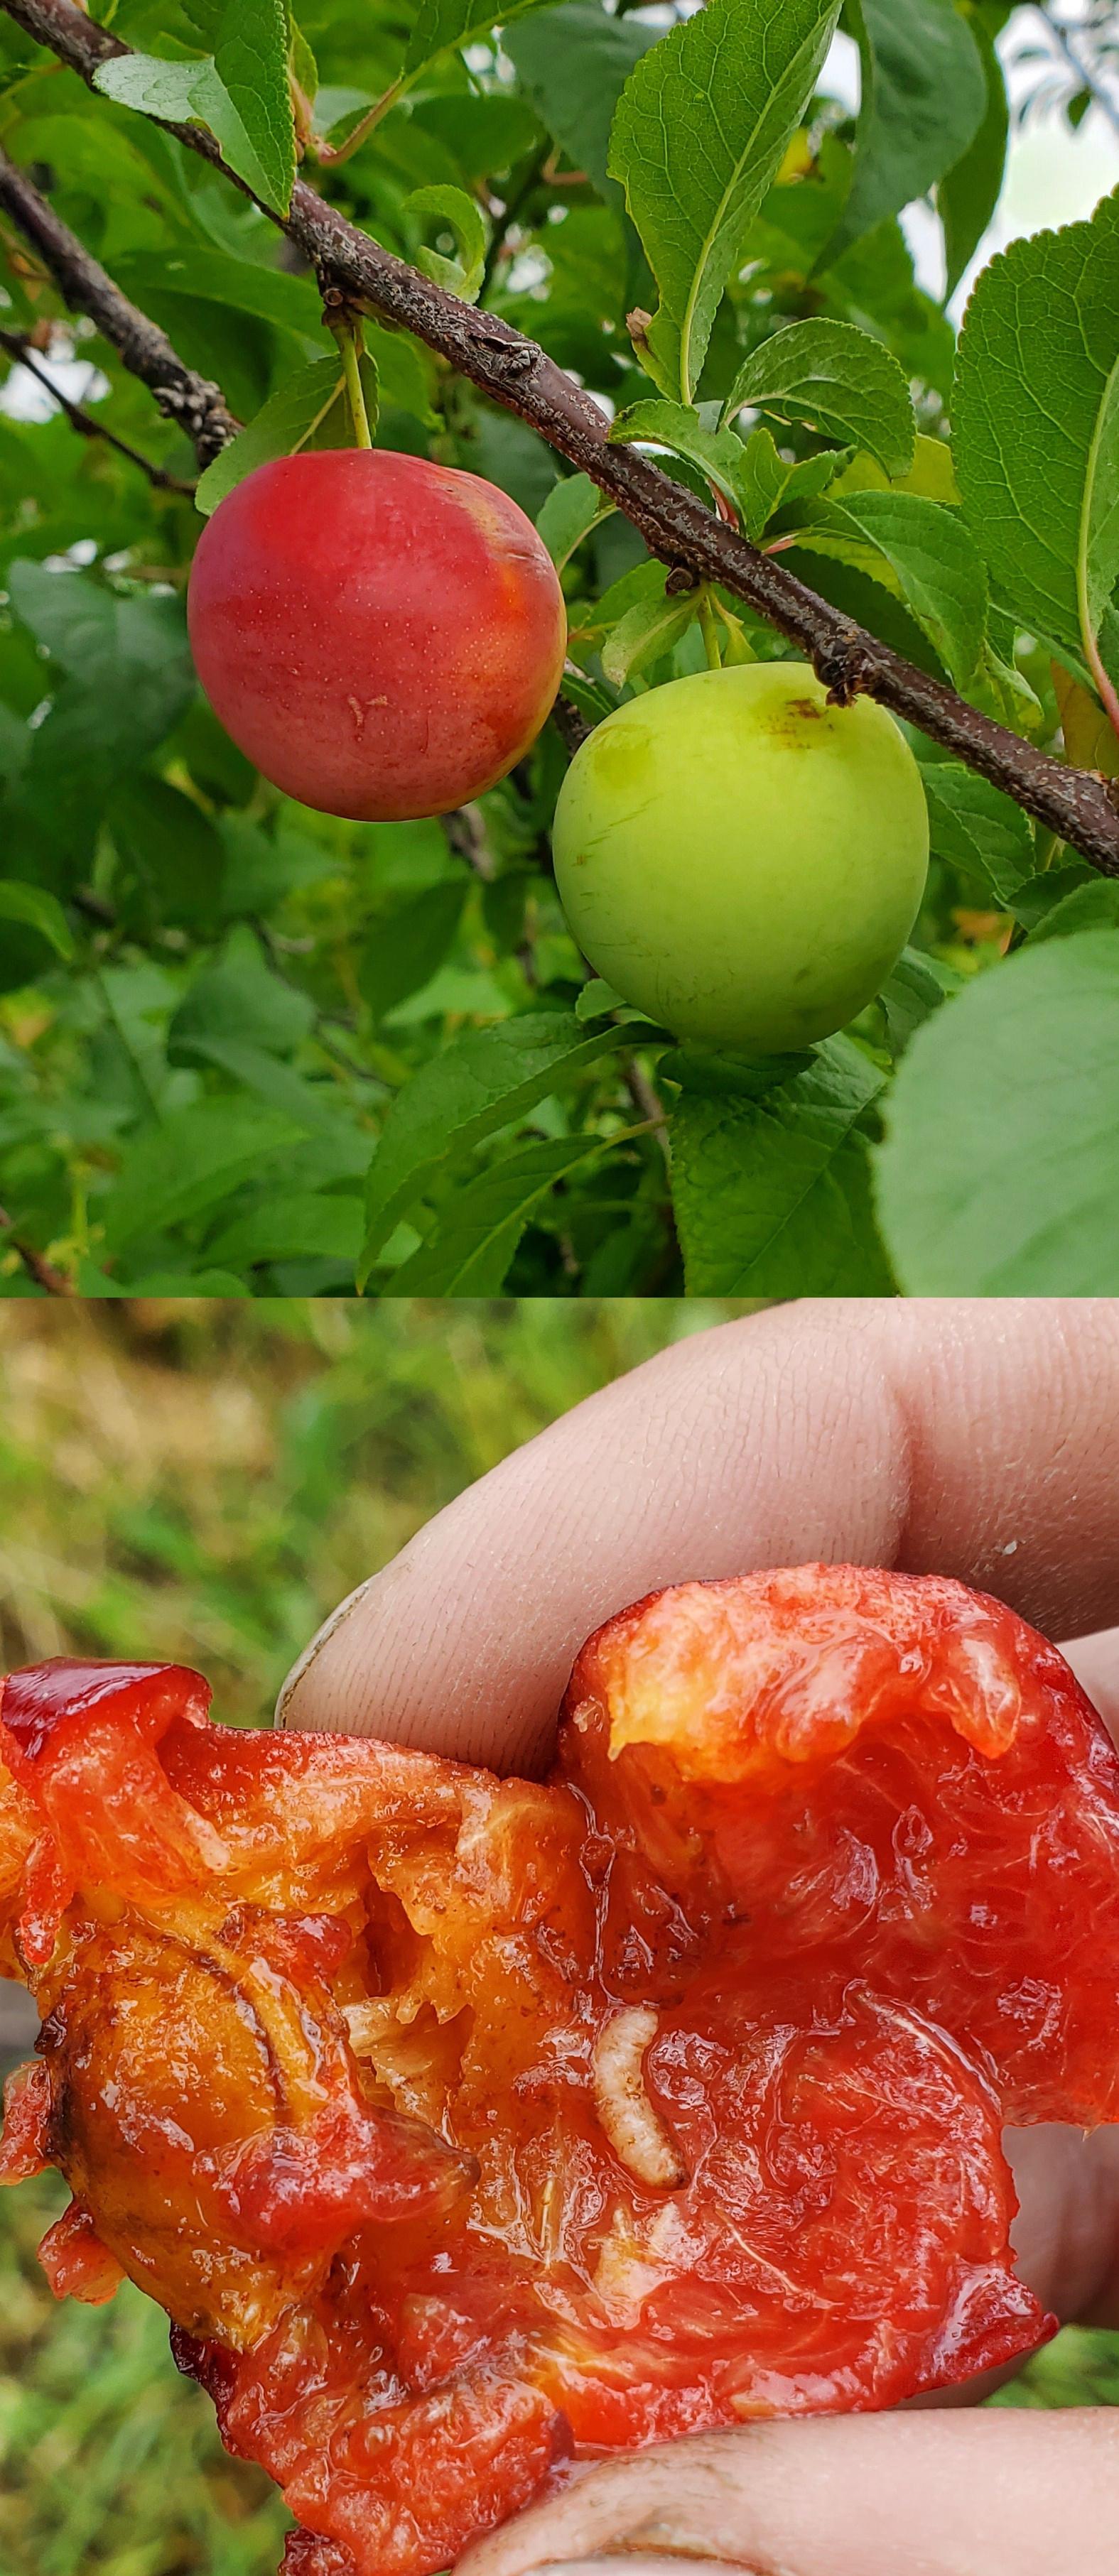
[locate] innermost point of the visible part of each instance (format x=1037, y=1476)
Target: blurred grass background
x=203, y=1481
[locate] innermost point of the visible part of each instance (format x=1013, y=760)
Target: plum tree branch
x=676, y=526
x=84, y=422
x=194, y=405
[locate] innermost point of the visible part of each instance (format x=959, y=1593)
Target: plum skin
x=740, y=859
x=383, y=637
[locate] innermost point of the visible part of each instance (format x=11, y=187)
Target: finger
x=1095, y=1662
x=1011, y=2494
x=958, y=1435
x=1066, y=2234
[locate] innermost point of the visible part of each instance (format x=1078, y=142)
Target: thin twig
x=54, y=1283
x=466, y=835
x=508, y=217
x=195, y=405
x=1083, y=73
x=84, y=422
x=675, y=524
x=648, y=1103
x=333, y=153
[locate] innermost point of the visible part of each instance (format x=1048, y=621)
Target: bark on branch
x=197, y=407
x=517, y=374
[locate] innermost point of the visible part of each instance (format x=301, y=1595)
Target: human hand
x=973, y=1438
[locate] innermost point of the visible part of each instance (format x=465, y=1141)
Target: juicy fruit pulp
x=383, y=637
x=467, y=2126
x=740, y=859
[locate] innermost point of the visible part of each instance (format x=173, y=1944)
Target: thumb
x=1095, y=1662
x=933, y=2495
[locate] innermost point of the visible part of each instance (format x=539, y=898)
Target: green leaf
x=480, y=1227
x=767, y=482
x=290, y=304
x=455, y=212
x=37, y=910
x=839, y=378
x=303, y=1225
x=261, y=871
x=405, y=947
x=1035, y=427
x=485, y=132
x=154, y=87
x=699, y=134
x=251, y=62
x=597, y=1000
x=485, y=1079
x=239, y=997
x=174, y=1283
x=304, y=68
x=172, y=848
x=189, y=1162
x=999, y=690
x=997, y=1177
x=1089, y=737
x=440, y=24
x=977, y=829
x=128, y=678
x=968, y=194
x=574, y=506
x=308, y=411
x=924, y=97
x=772, y=1193
x=311, y=1105
x=647, y=630
x=573, y=62
x=280, y=428
x=247, y=121
x=205, y=17
x=916, y=988
x=1094, y=905
x=867, y=591
x=595, y=702
x=645, y=580
x=81, y=623
x=938, y=564
x=718, y=453
x=1039, y=895
x=401, y=373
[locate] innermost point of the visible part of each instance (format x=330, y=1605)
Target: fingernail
x=638, y=2562
x=300, y=1669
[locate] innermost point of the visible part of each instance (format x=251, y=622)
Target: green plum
x=740, y=859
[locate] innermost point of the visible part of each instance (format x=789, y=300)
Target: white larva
x=636, y=2132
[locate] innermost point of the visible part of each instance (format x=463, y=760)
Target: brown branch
x=465, y=833
x=194, y=405
x=571, y=725
x=84, y=422
x=676, y=526
x=650, y=1105
x=53, y=1283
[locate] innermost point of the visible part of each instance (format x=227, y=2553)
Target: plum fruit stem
x=348, y=342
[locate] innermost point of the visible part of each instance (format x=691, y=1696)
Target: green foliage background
x=242, y=1046
x=206, y=1482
